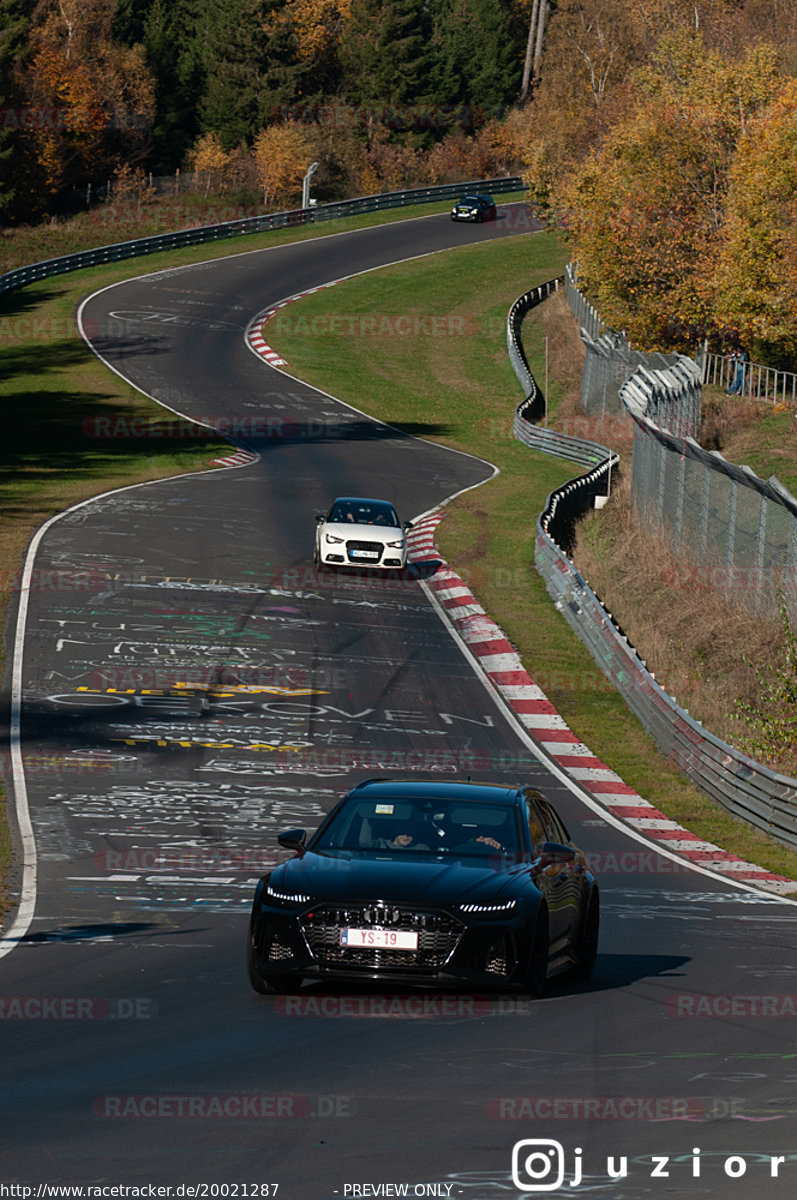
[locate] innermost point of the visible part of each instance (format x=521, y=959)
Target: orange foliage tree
x=317, y=24
x=282, y=154
x=755, y=281
x=645, y=210
x=90, y=99
x=210, y=161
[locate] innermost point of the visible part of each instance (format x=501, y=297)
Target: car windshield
x=364, y=512
x=421, y=826
x=470, y=200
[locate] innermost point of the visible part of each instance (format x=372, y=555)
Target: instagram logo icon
x=538, y=1165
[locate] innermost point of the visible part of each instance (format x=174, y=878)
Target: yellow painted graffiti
x=218, y=693
x=188, y=744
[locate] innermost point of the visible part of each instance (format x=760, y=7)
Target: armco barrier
x=569, y=503
x=743, y=786
x=200, y=234
x=537, y=437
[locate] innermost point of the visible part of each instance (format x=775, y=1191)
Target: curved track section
x=190, y=687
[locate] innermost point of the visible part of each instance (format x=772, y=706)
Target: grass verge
x=461, y=383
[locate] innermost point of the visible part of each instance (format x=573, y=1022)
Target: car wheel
x=316, y=557
x=537, y=970
x=480, y=217
x=588, y=945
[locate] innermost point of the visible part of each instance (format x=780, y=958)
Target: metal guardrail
x=197, y=235
x=526, y=430
x=746, y=788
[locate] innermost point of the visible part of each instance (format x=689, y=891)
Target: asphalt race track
x=191, y=686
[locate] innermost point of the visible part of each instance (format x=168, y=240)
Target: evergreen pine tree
x=14, y=21
x=385, y=57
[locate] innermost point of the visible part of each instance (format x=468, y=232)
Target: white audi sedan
x=357, y=532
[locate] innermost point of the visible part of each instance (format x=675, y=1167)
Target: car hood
x=401, y=877
x=367, y=533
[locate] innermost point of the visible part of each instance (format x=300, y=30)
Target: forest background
x=661, y=135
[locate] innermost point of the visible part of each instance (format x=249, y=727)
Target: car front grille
x=374, y=548
x=438, y=936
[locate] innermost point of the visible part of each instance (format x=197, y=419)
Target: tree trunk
x=524, y=87
x=543, y=17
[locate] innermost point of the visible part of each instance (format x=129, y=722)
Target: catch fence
x=709, y=502
x=610, y=361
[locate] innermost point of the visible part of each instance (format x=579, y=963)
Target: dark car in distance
x=478, y=207
x=428, y=883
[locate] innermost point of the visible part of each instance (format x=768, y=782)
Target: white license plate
x=384, y=939
x=364, y=553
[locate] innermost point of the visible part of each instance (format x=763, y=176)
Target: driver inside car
x=409, y=838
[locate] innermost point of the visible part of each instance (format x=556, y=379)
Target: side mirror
x=319, y=518
x=554, y=854
x=293, y=839
x=406, y=525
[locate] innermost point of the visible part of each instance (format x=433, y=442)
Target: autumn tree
x=645, y=210
x=591, y=48
x=92, y=97
x=755, y=281
x=209, y=160
x=282, y=154
x=318, y=26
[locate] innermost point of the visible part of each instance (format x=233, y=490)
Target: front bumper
x=450, y=950
x=391, y=558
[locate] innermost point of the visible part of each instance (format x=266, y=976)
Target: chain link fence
x=734, y=531
x=610, y=360
x=730, y=530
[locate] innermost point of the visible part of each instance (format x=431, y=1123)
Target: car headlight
x=497, y=909
x=333, y=541
x=396, y=545
x=279, y=896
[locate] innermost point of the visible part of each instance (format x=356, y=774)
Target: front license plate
x=385, y=939
x=364, y=553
